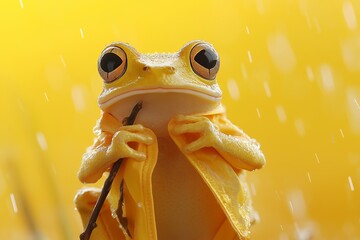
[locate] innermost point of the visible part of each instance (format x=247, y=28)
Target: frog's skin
x=184, y=161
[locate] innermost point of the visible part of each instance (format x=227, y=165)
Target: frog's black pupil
x=110, y=61
x=206, y=58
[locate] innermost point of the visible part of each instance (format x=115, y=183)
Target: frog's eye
x=112, y=64
x=204, y=61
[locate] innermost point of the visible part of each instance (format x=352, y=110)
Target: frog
x=184, y=167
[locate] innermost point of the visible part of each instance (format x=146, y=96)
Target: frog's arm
x=217, y=132
x=92, y=167
x=112, y=142
x=241, y=151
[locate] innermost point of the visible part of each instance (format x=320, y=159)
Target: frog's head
x=167, y=84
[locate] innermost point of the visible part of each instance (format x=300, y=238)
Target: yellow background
x=290, y=74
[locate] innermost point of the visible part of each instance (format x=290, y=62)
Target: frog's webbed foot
x=205, y=133
x=107, y=226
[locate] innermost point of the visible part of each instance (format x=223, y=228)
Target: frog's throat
x=114, y=98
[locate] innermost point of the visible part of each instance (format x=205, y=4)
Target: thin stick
x=108, y=182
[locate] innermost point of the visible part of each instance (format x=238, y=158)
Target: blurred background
x=290, y=74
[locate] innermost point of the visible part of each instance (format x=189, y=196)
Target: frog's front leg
x=241, y=151
x=109, y=148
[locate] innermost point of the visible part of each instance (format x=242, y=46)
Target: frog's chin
x=159, y=106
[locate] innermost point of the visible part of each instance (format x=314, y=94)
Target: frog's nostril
x=163, y=69
x=171, y=69
x=168, y=69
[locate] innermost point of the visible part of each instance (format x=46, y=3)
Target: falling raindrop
x=140, y=205
x=304, y=9
x=41, y=141
x=281, y=52
x=233, y=89
x=82, y=33
x=317, y=158
x=317, y=25
x=258, y=113
x=21, y=4
x=342, y=133
x=357, y=104
x=309, y=177
x=249, y=56
x=63, y=60
x=300, y=128
x=46, y=97
x=13, y=202
x=247, y=29
x=281, y=113
x=291, y=207
x=281, y=227
x=267, y=89
x=327, y=78
x=349, y=15
x=310, y=73
x=351, y=183
x=353, y=110
x=297, y=204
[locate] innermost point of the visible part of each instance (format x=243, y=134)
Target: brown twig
x=108, y=182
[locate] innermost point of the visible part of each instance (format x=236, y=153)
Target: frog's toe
x=86, y=198
x=188, y=119
x=196, y=145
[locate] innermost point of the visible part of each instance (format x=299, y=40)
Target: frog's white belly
x=185, y=208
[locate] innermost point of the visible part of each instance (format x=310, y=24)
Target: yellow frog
x=184, y=161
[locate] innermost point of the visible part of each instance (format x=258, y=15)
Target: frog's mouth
x=107, y=99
